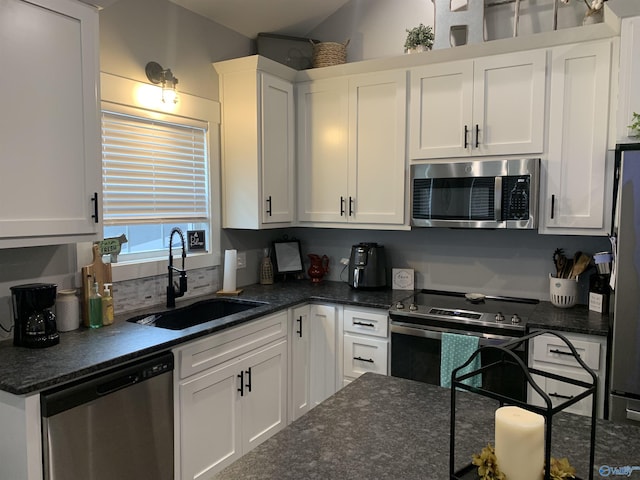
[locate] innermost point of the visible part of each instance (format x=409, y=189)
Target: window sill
x=153, y=267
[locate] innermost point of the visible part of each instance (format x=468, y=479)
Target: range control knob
x=515, y=318
x=413, y=307
x=399, y=306
x=499, y=317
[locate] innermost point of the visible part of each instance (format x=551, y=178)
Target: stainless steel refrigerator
x=625, y=360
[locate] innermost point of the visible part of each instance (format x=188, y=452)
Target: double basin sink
x=195, y=314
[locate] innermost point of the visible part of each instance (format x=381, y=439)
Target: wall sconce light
x=158, y=75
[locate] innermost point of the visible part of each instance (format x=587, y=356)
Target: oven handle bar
x=435, y=333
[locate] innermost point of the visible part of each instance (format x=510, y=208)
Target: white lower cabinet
x=365, y=342
x=314, y=357
x=323, y=359
x=299, y=372
x=364, y=354
x=230, y=407
x=550, y=354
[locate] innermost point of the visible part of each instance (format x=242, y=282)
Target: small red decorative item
x=319, y=267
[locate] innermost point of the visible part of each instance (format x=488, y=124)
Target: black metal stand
x=508, y=357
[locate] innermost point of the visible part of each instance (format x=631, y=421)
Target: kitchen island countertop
x=384, y=427
x=84, y=351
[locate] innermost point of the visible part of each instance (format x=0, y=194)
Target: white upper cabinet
x=351, y=150
x=377, y=126
x=258, y=144
x=629, y=79
x=50, y=184
x=488, y=106
x=323, y=130
x=575, y=188
x=441, y=110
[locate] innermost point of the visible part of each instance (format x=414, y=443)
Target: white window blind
x=153, y=171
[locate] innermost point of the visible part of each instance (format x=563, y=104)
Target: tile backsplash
x=130, y=295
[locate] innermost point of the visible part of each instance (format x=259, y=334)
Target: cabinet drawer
x=363, y=354
x=366, y=321
x=560, y=391
x=227, y=344
x=550, y=349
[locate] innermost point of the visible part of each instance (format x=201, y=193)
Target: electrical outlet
x=242, y=260
x=344, y=261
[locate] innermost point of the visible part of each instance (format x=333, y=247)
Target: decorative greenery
x=635, y=125
x=420, y=35
x=561, y=469
x=487, y=464
x=594, y=5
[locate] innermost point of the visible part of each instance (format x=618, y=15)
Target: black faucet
x=174, y=291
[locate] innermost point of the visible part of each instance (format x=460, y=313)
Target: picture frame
x=287, y=258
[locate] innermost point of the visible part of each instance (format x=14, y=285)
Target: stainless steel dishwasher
x=114, y=425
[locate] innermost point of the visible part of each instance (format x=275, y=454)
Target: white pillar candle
x=520, y=443
x=230, y=265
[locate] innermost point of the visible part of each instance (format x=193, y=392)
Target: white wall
x=134, y=32
x=377, y=28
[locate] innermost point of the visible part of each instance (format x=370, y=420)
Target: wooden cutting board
x=98, y=271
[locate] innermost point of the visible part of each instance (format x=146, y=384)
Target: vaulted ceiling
x=250, y=17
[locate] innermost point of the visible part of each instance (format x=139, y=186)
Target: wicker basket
x=326, y=54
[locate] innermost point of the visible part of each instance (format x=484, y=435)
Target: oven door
x=415, y=354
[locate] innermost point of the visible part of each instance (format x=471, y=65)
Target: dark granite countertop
x=577, y=319
x=385, y=427
x=84, y=351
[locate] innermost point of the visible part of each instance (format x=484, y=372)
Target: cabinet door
x=49, y=132
x=322, y=150
x=322, y=324
x=300, y=350
x=575, y=196
x=440, y=110
x=629, y=78
x=264, y=397
x=508, y=104
x=364, y=354
x=277, y=121
x=559, y=391
x=210, y=426
x=377, y=111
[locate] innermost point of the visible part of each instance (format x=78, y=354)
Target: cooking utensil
x=580, y=264
x=566, y=270
x=559, y=260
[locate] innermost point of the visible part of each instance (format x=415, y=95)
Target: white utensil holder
x=563, y=291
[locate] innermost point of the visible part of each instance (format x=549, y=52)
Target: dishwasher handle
x=85, y=390
x=117, y=384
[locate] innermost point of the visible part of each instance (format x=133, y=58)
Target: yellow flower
x=561, y=469
x=487, y=464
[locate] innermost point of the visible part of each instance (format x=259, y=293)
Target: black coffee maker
x=34, y=322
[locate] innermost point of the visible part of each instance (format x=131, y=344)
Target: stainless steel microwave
x=476, y=194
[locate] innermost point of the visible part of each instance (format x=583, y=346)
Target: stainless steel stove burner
x=433, y=308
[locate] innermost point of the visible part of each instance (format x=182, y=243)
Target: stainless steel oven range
x=418, y=322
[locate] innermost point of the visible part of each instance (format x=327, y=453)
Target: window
x=155, y=177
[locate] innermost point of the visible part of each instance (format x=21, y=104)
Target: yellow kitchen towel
x=456, y=349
